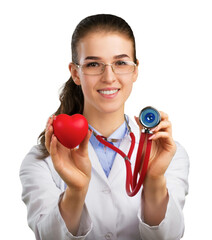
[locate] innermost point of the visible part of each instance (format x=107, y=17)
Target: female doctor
x=80, y=193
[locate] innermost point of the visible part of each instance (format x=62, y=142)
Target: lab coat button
x=108, y=236
x=106, y=191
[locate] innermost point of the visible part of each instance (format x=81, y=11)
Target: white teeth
x=108, y=92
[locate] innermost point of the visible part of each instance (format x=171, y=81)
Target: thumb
x=138, y=122
x=83, y=147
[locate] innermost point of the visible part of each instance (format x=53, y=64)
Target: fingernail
x=136, y=118
x=53, y=117
x=154, y=129
x=151, y=137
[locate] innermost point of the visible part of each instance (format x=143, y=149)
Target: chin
x=112, y=109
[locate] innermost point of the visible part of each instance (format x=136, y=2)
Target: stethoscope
x=149, y=117
x=71, y=130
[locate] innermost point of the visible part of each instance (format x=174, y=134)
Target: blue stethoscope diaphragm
x=149, y=117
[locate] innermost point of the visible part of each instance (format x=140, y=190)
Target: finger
x=54, y=153
x=138, y=122
x=48, y=133
x=83, y=147
x=50, y=120
x=48, y=136
x=53, y=146
x=161, y=135
x=164, y=116
x=164, y=125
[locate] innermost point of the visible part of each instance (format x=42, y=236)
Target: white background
x=174, y=46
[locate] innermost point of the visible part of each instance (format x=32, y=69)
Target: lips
x=108, y=92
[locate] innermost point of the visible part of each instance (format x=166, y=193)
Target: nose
x=108, y=75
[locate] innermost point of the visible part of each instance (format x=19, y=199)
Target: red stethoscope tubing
x=132, y=184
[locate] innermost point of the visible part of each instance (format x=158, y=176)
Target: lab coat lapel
x=119, y=162
x=96, y=166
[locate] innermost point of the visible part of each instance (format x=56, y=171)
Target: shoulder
x=181, y=153
x=32, y=157
x=32, y=167
x=180, y=164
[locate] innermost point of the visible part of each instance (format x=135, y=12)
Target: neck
x=105, y=123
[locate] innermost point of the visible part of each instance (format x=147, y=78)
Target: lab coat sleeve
x=42, y=195
x=172, y=226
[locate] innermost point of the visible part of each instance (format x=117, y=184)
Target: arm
x=71, y=207
x=161, y=208
x=52, y=213
x=155, y=199
x=42, y=191
x=74, y=167
x=172, y=225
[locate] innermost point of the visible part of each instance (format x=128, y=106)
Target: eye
x=121, y=63
x=92, y=65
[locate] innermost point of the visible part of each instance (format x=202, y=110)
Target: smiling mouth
x=108, y=92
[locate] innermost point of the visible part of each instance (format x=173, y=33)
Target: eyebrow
x=99, y=58
x=121, y=56
x=92, y=58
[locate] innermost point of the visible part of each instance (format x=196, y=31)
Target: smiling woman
x=101, y=77
x=80, y=193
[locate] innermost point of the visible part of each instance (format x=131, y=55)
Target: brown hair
x=71, y=97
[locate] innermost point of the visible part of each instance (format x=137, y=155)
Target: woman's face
x=107, y=92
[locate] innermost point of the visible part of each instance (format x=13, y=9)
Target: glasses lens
x=92, y=68
x=122, y=67
x=119, y=67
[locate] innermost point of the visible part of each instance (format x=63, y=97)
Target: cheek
x=85, y=89
x=129, y=89
x=126, y=90
x=128, y=83
x=87, y=86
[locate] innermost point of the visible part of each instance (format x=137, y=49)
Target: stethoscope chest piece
x=149, y=117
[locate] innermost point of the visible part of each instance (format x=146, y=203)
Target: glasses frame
x=104, y=66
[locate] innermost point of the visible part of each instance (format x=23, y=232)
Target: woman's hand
x=73, y=165
x=163, y=147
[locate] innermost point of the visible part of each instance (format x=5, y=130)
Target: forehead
x=104, y=45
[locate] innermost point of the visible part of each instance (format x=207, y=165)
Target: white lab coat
x=109, y=213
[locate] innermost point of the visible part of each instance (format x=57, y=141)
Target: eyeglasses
x=97, y=68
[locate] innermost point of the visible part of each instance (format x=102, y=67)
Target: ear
x=74, y=73
x=135, y=74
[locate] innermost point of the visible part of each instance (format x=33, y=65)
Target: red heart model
x=70, y=130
